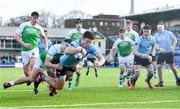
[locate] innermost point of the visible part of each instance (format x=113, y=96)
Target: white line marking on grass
x=96, y=104
x=16, y=91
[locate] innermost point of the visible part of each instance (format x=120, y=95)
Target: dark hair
x=34, y=13
x=89, y=35
x=67, y=40
x=78, y=20
x=147, y=27
x=128, y=22
x=122, y=30
x=45, y=31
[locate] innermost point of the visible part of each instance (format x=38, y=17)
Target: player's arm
x=100, y=60
x=111, y=54
x=17, y=37
x=112, y=50
x=49, y=57
x=73, y=50
x=160, y=50
x=44, y=38
x=49, y=64
x=174, y=42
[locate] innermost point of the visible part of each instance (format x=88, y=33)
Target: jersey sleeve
x=137, y=43
x=170, y=34
x=69, y=34
x=131, y=41
x=20, y=29
x=92, y=50
x=115, y=44
x=52, y=51
x=75, y=43
x=41, y=31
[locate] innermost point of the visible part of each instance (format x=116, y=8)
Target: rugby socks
x=121, y=78
x=154, y=70
x=12, y=83
x=149, y=76
x=70, y=82
x=133, y=80
x=95, y=70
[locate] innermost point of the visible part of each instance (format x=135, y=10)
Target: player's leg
x=160, y=61
x=70, y=83
x=57, y=83
x=137, y=68
x=95, y=71
x=78, y=73
x=154, y=66
x=87, y=72
x=130, y=70
x=149, y=75
x=22, y=80
x=51, y=73
x=170, y=61
x=121, y=72
x=129, y=64
x=39, y=65
x=135, y=76
x=95, y=67
x=28, y=59
x=88, y=67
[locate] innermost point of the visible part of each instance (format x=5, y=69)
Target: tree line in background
x=46, y=19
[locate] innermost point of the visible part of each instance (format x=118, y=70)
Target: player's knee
x=78, y=73
x=130, y=70
x=150, y=69
x=137, y=69
x=31, y=79
x=159, y=66
x=59, y=88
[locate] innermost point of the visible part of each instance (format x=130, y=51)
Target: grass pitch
x=101, y=92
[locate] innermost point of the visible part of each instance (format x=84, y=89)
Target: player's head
x=78, y=23
x=65, y=43
x=147, y=30
x=87, y=39
x=34, y=17
x=122, y=32
x=129, y=25
x=160, y=28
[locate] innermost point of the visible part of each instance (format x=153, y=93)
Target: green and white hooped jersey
x=74, y=34
x=124, y=47
x=54, y=53
x=132, y=34
x=30, y=34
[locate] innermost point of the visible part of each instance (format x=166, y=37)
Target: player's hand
x=27, y=45
x=79, y=49
x=96, y=63
x=161, y=50
x=58, y=67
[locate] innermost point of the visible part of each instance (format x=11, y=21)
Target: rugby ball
x=78, y=56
